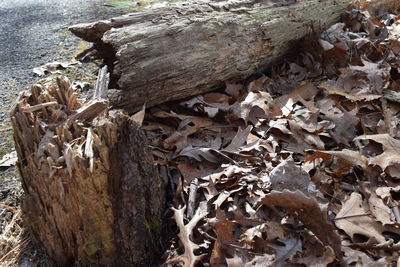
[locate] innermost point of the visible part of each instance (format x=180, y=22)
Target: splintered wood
x=92, y=194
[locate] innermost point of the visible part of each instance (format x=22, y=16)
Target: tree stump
x=92, y=193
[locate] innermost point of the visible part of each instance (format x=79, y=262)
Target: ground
x=298, y=166
x=32, y=33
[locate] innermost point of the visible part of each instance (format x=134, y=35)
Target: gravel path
x=35, y=32
x=32, y=33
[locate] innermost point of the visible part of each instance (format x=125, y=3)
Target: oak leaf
x=188, y=258
x=355, y=218
x=389, y=160
x=312, y=213
x=282, y=253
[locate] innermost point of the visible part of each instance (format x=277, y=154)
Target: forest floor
x=295, y=167
x=298, y=166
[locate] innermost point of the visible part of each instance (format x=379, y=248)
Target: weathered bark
x=189, y=48
x=92, y=194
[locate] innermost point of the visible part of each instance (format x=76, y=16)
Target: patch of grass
x=80, y=47
x=136, y=6
x=122, y=4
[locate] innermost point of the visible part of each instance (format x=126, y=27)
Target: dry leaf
x=191, y=171
x=282, y=253
x=234, y=90
x=379, y=210
x=188, y=259
x=198, y=153
x=53, y=67
x=389, y=160
x=271, y=229
x=377, y=73
x=345, y=125
x=355, y=218
x=138, y=117
x=360, y=259
x=287, y=175
x=322, y=261
x=310, y=212
x=239, y=139
x=360, y=98
x=9, y=159
x=353, y=95
x=300, y=94
x=224, y=230
x=216, y=98
x=256, y=105
x=352, y=158
x=236, y=261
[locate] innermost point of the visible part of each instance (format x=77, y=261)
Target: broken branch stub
x=92, y=194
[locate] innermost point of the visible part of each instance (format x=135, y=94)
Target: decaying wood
x=101, y=86
x=92, y=194
x=189, y=48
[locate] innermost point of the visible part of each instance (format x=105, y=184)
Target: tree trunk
x=190, y=48
x=92, y=194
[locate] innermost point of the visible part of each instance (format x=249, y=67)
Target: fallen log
x=190, y=48
x=92, y=194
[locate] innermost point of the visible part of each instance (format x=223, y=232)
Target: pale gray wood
x=101, y=86
x=189, y=48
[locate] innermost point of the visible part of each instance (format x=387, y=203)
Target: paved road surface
x=32, y=33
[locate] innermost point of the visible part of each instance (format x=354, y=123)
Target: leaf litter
x=297, y=167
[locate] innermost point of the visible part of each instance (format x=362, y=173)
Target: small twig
x=158, y=148
x=4, y=206
x=21, y=244
x=215, y=239
x=5, y=128
x=396, y=210
x=194, y=185
x=352, y=216
x=40, y=106
x=101, y=86
x=170, y=179
x=348, y=187
x=219, y=126
x=396, y=213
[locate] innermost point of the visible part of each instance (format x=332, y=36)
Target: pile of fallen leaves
x=300, y=167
